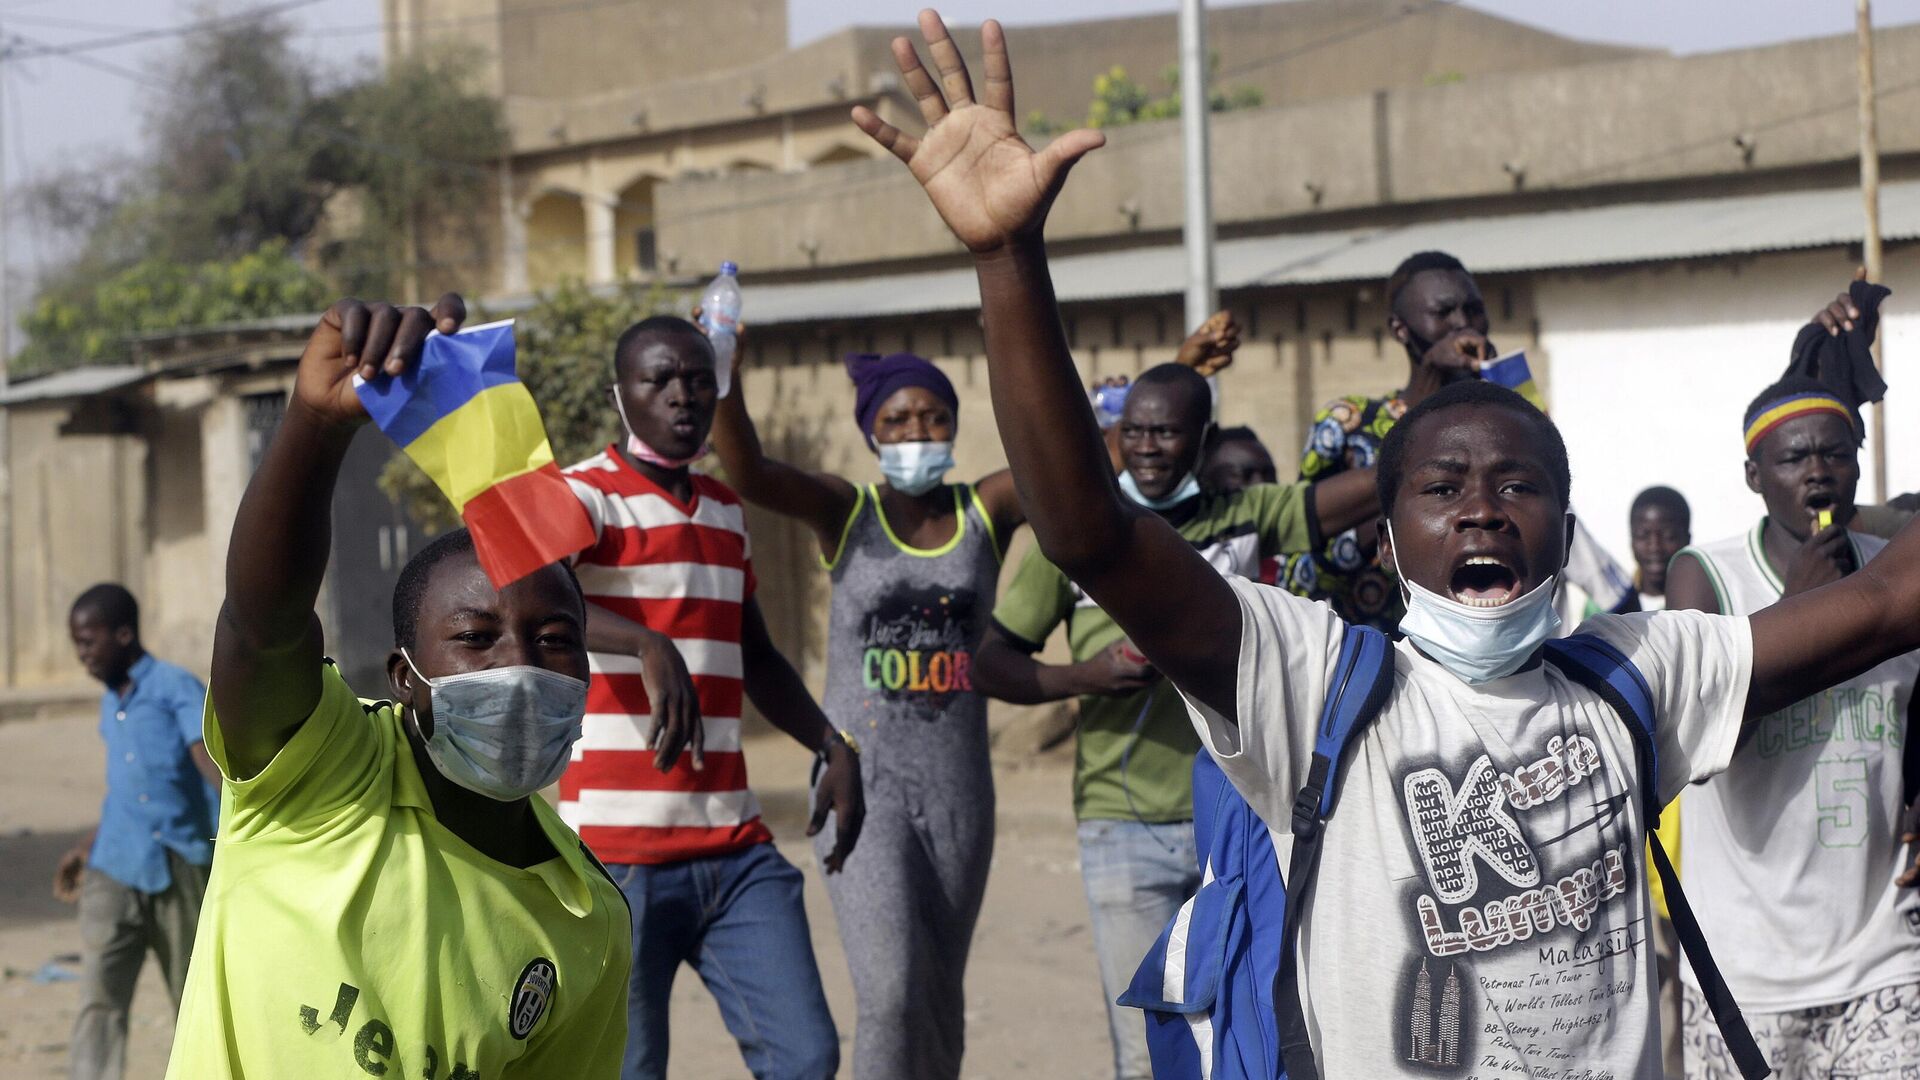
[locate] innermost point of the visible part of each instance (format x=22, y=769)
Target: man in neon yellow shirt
x=387, y=899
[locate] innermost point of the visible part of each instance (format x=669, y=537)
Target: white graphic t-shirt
x=1793, y=851
x=1480, y=909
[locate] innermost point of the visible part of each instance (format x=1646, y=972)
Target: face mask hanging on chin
x=1477, y=644
x=504, y=732
x=643, y=452
x=1187, y=489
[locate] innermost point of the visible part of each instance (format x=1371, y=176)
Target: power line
x=1335, y=38
x=138, y=36
x=8, y=15
x=561, y=8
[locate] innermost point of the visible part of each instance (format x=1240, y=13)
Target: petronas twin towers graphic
x=1431, y=1046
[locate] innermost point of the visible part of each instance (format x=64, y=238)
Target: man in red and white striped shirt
x=677, y=642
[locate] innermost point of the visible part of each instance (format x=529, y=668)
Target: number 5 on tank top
x=1841, y=791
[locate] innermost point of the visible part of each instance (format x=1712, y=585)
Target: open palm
x=988, y=185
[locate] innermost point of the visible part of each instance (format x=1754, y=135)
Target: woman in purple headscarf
x=914, y=562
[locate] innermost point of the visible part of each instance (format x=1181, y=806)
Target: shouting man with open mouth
x=1479, y=905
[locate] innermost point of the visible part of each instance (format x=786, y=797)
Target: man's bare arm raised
x=994, y=191
x=267, y=645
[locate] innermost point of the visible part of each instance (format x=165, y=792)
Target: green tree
x=423, y=143
x=239, y=146
x=563, y=349
x=91, y=322
x=232, y=206
x=1119, y=100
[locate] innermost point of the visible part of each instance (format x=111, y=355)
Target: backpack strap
x=1596, y=664
x=1362, y=678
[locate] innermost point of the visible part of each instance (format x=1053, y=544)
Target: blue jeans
x=739, y=921
x=1137, y=875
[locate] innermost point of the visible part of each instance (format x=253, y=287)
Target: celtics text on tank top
x=1792, y=852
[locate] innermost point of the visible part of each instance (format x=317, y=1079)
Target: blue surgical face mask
x=504, y=732
x=1187, y=489
x=913, y=468
x=1478, y=644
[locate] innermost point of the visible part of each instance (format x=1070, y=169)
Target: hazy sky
x=58, y=111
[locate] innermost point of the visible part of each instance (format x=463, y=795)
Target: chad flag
x=1512, y=372
x=468, y=421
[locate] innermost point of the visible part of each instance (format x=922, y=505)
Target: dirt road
x=1033, y=997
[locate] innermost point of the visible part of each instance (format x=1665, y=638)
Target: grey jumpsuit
x=903, y=628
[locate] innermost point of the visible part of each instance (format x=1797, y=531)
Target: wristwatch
x=841, y=736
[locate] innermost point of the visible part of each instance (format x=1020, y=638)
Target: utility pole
x=1194, y=100
x=1870, y=243
x=8, y=639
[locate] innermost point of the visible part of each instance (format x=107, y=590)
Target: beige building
x=609, y=103
x=1650, y=228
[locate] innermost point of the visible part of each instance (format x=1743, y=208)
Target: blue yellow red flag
x=1512, y=372
x=464, y=417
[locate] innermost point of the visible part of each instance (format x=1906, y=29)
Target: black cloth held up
x=1844, y=363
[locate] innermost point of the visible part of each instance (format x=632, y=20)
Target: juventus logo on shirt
x=532, y=993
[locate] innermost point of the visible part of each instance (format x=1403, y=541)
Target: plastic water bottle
x=720, y=314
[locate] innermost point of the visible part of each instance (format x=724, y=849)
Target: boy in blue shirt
x=140, y=875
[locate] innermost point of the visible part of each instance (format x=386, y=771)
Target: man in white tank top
x=1794, y=857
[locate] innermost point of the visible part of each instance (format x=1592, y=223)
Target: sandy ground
x=1033, y=993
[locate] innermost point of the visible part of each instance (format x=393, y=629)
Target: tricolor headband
x=1775, y=413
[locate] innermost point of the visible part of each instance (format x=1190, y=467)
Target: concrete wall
x=1654, y=368
x=1301, y=50
x=578, y=209
x=79, y=517
x=469, y=26
x=549, y=51
x=591, y=129
x=1568, y=131
x=539, y=49
x=1291, y=52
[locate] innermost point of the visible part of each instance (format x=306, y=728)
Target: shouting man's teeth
x=1485, y=582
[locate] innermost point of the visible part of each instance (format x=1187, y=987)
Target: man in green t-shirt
x=1133, y=769
x=390, y=896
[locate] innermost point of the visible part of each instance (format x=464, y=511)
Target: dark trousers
x=118, y=925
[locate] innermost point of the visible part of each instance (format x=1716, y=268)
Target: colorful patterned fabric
x=1775, y=413
x=1346, y=571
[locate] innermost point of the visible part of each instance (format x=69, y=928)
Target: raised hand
x=1839, y=315
x=1209, y=350
x=989, y=186
x=371, y=340
x=1465, y=349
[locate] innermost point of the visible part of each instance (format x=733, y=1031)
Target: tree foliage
x=239, y=147
x=563, y=349
x=1118, y=100
x=262, y=185
x=92, y=322
x=423, y=148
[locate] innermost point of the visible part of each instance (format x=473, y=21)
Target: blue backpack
x=1219, y=989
